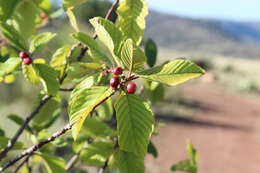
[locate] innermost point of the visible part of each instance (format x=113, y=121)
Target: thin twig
x=101, y=170
x=66, y=89
x=12, y=141
x=34, y=148
x=19, y=167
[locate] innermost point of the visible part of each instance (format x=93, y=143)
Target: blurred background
x=219, y=113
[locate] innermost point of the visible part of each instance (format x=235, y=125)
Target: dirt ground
x=225, y=133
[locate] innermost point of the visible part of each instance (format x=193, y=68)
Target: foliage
x=103, y=137
x=190, y=166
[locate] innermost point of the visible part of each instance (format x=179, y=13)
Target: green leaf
x=59, y=59
x=134, y=123
x=189, y=166
x=151, y=52
x=7, y=8
x=97, y=153
x=31, y=74
x=83, y=103
x=53, y=164
x=173, y=73
x=154, y=91
x=73, y=20
x=95, y=52
x=9, y=66
x=46, y=112
x=45, y=5
x=17, y=146
x=53, y=119
x=105, y=110
x=2, y=132
x=132, y=56
x=109, y=35
x=70, y=4
x=152, y=150
x=192, y=153
x=48, y=78
x=19, y=121
x=184, y=165
x=40, y=41
x=86, y=83
x=26, y=17
x=95, y=128
x=129, y=162
x=81, y=69
x=13, y=36
x=132, y=15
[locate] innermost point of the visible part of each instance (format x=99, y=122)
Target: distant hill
x=240, y=39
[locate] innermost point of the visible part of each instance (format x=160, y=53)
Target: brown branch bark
x=13, y=140
x=34, y=148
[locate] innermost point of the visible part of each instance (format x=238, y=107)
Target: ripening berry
x=43, y=15
x=27, y=61
x=118, y=71
x=114, y=82
x=23, y=54
x=131, y=88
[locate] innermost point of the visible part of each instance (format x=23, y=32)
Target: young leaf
x=7, y=8
x=151, y=52
x=83, y=103
x=97, y=153
x=132, y=15
x=73, y=20
x=152, y=150
x=13, y=36
x=18, y=120
x=95, y=128
x=48, y=78
x=129, y=162
x=192, y=153
x=53, y=164
x=81, y=69
x=40, y=41
x=95, y=52
x=109, y=35
x=134, y=123
x=132, y=57
x=70, y=4
x=8, y=66
x=173, y=73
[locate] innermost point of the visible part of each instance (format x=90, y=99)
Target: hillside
x=229, y=38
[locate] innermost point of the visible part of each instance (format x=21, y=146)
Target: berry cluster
x=27, y=60
x=115, y=81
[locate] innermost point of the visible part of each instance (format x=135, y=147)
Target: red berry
x=43, y=15
x=23, y=54
x=27, y=61
x=114, y=82
x=131, y=88
x=118, y=71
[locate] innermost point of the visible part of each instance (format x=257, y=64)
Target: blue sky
x=240, y=10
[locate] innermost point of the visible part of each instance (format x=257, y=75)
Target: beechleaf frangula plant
x=110, y=121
